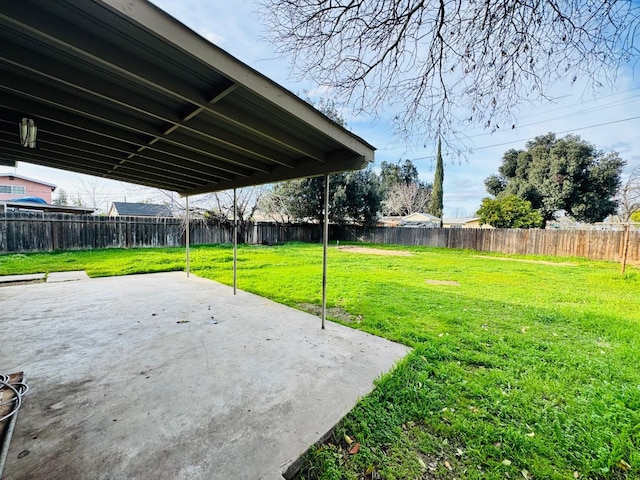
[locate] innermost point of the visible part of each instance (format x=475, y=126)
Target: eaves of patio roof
x=121, y=90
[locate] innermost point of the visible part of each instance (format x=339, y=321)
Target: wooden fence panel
x=25, y=232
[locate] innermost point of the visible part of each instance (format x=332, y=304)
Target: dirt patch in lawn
x=443, y=282
x=376, y=251
x=333, y=312
x=540, y=262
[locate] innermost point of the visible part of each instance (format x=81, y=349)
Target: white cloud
x=213, y=37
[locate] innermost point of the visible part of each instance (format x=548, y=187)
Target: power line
x=560, y=133
x=531, y=138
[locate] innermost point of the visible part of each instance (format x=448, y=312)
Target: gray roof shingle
x=142, y=209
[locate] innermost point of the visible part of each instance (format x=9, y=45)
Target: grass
x=525, y=370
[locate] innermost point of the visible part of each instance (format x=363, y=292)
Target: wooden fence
x=29, y=232
x=596, y=245
x=24, y=232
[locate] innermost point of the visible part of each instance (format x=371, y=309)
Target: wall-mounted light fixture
x=28, y=132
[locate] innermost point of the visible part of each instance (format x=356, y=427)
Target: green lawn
x=523, y=370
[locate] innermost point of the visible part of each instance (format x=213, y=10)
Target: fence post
x=625, y=248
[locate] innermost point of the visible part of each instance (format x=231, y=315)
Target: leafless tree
x=437, y=61
x=91, y=192
x=276, y=204
x=406, y=198
x=629, y=195
x=247, y=201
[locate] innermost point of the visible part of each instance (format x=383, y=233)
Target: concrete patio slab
x=67, y=276
x=166, y=377
x=6, y=280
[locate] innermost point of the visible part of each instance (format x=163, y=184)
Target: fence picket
x=24, y=232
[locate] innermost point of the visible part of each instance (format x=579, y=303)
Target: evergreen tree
x=435, y=206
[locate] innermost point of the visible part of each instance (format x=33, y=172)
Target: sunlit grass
x=523, y=370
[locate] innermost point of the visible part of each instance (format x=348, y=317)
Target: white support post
x=187, y=239
x=325, y=243
x=235, y=242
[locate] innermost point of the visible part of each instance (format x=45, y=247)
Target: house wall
x=32, y=189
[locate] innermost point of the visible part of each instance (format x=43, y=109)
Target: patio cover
x=121, y=90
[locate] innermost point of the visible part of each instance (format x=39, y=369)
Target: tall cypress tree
x=435, y=206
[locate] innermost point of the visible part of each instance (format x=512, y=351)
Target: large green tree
x=402, y=190
x=556, y=174
x=353, y=197
x=509, y=211
x=436, y=205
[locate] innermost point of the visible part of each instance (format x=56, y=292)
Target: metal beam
x=325, y=244
x=126, y=66
x=56, y=74
x=168, y=155
x=148, y=16
x=188, y=239
x=305, y=168
x=235, y=241
x=60, y=99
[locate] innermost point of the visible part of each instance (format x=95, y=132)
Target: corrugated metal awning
x=121, y=90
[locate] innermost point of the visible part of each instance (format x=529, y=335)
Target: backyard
x=521, y=368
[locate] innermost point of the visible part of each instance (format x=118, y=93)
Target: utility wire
x=559, y=133
x=531, y=138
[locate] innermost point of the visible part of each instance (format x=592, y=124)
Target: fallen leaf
x=526, y=474
x=348, y=439
x=576, y=474
x=497, y=444
x=355, y=449
x=524, y=329
x=459, y=452
x=506, y=462
x=602, y=352
x=441, y=334
x=531, y=434
x=623, y=465
x=369, y=470
x=554, y=334
x=448, y=465
x=422, y=464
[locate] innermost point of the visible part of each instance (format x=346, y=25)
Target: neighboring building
x=420, y=220
x=390, y=221
x=35, y=204
x=14, y=186
x=473, y=222
x=413, y=220
x=120, y=209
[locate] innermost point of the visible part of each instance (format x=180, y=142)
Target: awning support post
x=187, y=239
x=235, y=242
x=325, y=243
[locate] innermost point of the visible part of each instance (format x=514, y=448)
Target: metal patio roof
x=121, y=90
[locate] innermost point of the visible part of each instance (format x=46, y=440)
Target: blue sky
x=236, y=27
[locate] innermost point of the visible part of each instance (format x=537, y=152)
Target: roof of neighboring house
x=420, y=217
x=21, y=177
x=40, y=207
x=459, y=221
x=142, y=209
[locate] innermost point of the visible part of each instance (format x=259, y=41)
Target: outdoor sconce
x=28, y=132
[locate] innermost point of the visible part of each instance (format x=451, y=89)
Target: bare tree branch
x=629, y=195
x=438, y=62
x=406, y=198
